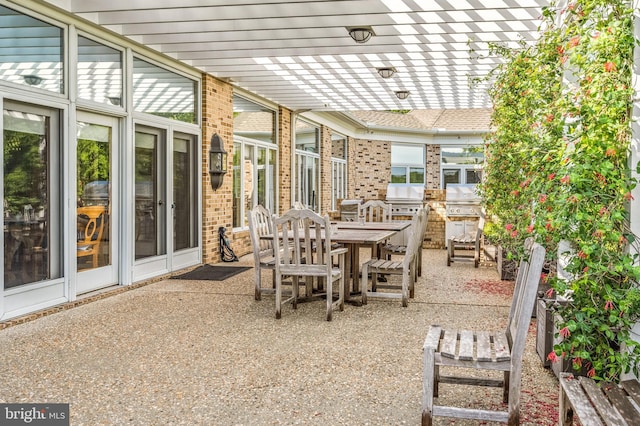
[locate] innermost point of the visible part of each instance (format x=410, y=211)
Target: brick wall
x=434, y=236
x=325, y=169
x=433, y=166
x=368, y=169
x=217, y=206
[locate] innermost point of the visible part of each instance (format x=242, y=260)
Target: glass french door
x=150, y=189
x=185, y=188
x=96, y=207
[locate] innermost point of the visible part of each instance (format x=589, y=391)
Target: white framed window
x=408, y=164
x=338, y=169
x=461, y=164
x=307, y=166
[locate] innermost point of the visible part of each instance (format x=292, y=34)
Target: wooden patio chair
x=405, y=268
x=466, y=242
x=388, y=250
x=91, y=222
x=483, y=350
x=259, y=227
x=296, y=231
x=375, y=211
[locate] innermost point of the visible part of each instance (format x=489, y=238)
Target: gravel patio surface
x=180, y=352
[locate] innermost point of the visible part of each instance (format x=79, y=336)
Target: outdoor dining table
x=353, y=236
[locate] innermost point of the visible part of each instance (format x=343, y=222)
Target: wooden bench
x=466, y=242
x=604, y=404
x=483, y=350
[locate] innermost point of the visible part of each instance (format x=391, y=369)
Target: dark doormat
x=212, y=273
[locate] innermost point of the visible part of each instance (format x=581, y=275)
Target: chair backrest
x=301, y=242
x=92, y=231
x=524, y=295
x=375, y=211
x=415, y=237
x=260, y=226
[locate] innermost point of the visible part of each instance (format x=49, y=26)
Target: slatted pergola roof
x=299, y=54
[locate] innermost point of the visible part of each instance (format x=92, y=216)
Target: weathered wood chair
x=497, y=351
x=259, y=227
x=466, y=242
x=388, y=250
x=405, y=268
x=375, y=211
x=91, y=221
x=295, y=233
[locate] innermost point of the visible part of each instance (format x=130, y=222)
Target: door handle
x=160, y=202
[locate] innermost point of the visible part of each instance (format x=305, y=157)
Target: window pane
x=416, y=175
x=28, y=199
x=253, y=121
x=248, y=179
x=307, y=137
x=185, y=215
x=163, y=93
x=237, y=185
x=338, y=146
x=451, y=176
x=462, y=155
x=99, y=72
x=31, y=51
x=398, y=175
x=407, y=154
x=473, y=176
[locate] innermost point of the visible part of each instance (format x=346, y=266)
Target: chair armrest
x=341, y=250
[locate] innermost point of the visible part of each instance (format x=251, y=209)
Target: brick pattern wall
x=217, y=206
x=434, y=236
x=325, y=169
x=284, y=144
x=368, y=169
x=433, y=166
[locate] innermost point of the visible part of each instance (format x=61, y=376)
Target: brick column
x=217, y=206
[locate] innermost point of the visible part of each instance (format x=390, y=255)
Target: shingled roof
x=429, y=119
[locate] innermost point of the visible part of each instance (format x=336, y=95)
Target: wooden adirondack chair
x=260, y=226
x=497, y=351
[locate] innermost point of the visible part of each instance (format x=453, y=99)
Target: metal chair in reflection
x=91, y=222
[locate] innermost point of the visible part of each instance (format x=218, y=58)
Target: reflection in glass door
x=149, y=189
x=31, y=195
x=185, y=218
x=95, y=222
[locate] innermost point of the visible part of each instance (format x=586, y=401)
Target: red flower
x=542, y=198
x=582, y=255
x=610, y=152
x=575, y=40
x=560, y=49
x=549, y=118
x=543, y=277
x=515, y=193
x=551, y=176
x=577, y=362
x=525, y=183
x=548, y=226
x=508, y=226
x=591, y=372
x=628, y=196
x=564, y=179
x=603, y=211
x=514, y=233
x=564, y=332
x=530, y=228
x=608, y=306
x=549, y=293
x=609, y=66
x=552, y=357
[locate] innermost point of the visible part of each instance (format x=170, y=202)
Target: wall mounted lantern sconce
x=32, y=80
x=386, y=72
x=360, y=34
x=402, y=94
x=217, y=161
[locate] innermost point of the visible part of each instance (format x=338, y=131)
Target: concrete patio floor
x=179, y=352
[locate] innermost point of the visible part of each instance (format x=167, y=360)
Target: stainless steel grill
x=405, y=200
x=463, y=210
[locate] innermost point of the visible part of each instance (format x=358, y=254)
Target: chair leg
x=258, y=293
x=364, y=285
x=329, y=299
x=505, y=388
x=405, y=288
x=428, y=388
x=278, y=283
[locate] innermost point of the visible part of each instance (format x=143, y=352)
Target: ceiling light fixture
x=360, y=34
x=402, y=94
x=386, y=72
x=32, y=80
